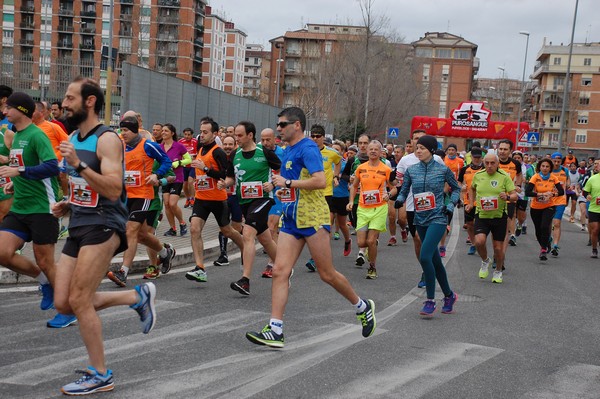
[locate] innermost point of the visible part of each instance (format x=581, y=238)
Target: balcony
x=169, y=3
x=127, y=2
x=126, y=17
x=168, y=19
x=293, y=52
x=551, y=105
x=125, y=48
x=87, y=46
x=28, y=8
x=26, y=42
x=199, y=42
x=88, y=14
x=198, y=58
x=65, y=28
x=88, y=30
x=167, y=37
x=65, y=12
x=27, y=24
x=65, y=44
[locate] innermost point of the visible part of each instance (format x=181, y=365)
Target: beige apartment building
x=257, y=73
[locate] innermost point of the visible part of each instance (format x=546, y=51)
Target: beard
x=76, y=117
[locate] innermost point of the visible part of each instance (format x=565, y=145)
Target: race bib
x=371, y=197
x=4, y=181
x=542, y=199
x=424, y=201
x=16, y=159
x=204, y=183
x=251, y=189
x=488, y=203
x=231, y=190
x=597, y=200
x=133, y=178
x=287, y=195
x=81, y=193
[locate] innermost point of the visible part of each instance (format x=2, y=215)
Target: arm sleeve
x=560, y=189
x=529, y=190
x=347, y=170
x=154, y=151
x=272, y=159
x=230, y=170
x=42, y=171
x=221, y=160
x=461, y=174
x=405, y=186
x=187, y=159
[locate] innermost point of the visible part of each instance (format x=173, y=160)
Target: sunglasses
x=316, y=136
x=283, y=124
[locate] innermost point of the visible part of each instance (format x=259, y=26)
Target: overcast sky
x=493, y=25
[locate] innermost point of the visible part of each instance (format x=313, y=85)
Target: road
x=534, y=336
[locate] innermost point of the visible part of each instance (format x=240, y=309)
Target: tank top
x=206, y=186
x=138, y=166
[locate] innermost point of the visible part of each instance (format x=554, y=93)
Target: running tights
x=430, y=259
x=542, y=220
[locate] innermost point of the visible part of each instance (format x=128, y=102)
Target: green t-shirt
x=592, y=186
x=32, y=147
x=488, y=187
x=250, y=174
x=6, y=152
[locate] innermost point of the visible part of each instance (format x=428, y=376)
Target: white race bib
x=251, y=189
x=371, y=197
x=488, y=203
x=133, y=178
x=424, y=201
x=204, y=183
x=81, y=193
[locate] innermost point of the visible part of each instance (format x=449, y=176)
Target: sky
x=493, y=25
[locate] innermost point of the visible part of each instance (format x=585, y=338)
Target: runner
x=572, y=190
x=6, y=137
x=560, y=201
x=465, y=177
x=305, y=221
x=339, y=201
x=490, y=190
x=96, y=232
x=371, y=179
x=527, y=171
x=191, y=145
x=514, y=169
x=543, y=187
x=591, y=191
x=251, y=173
x=427, y=180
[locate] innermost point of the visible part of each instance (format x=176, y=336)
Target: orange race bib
x=424, y=201
x=371, y=197
x=81, y=193
x=489, y=203
x=133, y=178
x=251, y=189
x=204, y=183
x=287, y=195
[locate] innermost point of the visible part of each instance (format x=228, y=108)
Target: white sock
x=42, y=279
x=125, y=269
x=276, y=326
x=163, y=252
x=360, y=306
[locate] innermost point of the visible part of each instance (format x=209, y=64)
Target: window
x=443, y=53
x=584, y=100
x=556, y=60
x=426, y=70
x=328, y=46
x=445, y=72
x=442, y=113
x=587, y=61
x=553, y=139
x=424, y=52
x=582, y=119
x=580, y=136
x=463, y=54
x=586, y=81
x=558, y=82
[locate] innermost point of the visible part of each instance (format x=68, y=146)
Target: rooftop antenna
x=587, y=33
x=448, y=28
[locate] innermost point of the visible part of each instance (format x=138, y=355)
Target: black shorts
x=329, y=200
x=470, y=216
x=572, y=197
x=41, y=228
x=593, y=217
x=510, y=209
x=173, y=188
x=522, y=204
x=203, y=208
x=92, y=235
x=338, y=205
x=191, y=174
x=233, y=202
x=410, y=219
x=138, y=211
x=187, y=171
x=256, y=213
x=497, y=226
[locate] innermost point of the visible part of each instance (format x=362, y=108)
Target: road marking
x=578, y=381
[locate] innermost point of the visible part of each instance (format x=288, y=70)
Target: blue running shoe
x=90, y=382
x=47, y=296
x=449, y=301
x=61, y=321
x=310, y=265
x=422, y=282
x=428, y=308
x=146, y=307
x=471, y=250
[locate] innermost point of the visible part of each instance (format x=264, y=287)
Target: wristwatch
x=205, y=169
x=288, y=183
x=81, y=167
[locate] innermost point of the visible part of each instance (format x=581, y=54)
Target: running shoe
x=524, y=230
x=371, y=273
x=512, y=241
x=197, y=274
x=152, y=273
x=187, y=203
x=90, y=382
x=442, y=252
x=170, y=233
x=118, y=277
x=336, y=236
x=428, y=308
x=544, y=254
x=266, y=337
x=392, y=242
x=464, y=226
x=595, y=253
x=268, y=273
x=146, y=307
x=497, y=277
x=63, y=233
x=367, y=319
x=472, y=250
x=468, y=242
x=571, y=219
x=404, y=234
x=242, y=286
x=311, y=266
x=61, y=321
x=518, y=230
x=449, y=302
x=222, y=261
x=347, y=247
x=589, y=244
x=47, y=296
x=192, y=202
x=583, y=227
x=360, y=259
x=484, y=270
x=167, y=261
x=554, y=250
x=422, y=283
x=183, y=229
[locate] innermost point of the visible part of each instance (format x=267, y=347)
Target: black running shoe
x=367, y=319
x=167, y=261
x=266, y=337
x=242, y=286
x=222, y=261
x=118, y=277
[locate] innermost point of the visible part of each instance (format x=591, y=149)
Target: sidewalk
x=182, y=245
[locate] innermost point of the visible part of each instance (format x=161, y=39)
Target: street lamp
x=278, y=64
x=522, y=85
x=502, y=89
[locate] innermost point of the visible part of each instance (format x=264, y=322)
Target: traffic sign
x=533, y=137
x=393, y=132
x=523, y=137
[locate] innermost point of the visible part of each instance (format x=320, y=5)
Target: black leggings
x=542, y=220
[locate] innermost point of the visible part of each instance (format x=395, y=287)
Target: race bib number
x=371, y=197
x=251, y=189
x=489, y=203
x=597, y=200
x=204, y=183
x=81, y=193
x=133, y=178
x=4, y=181
x=543, y=199
x=424, y=201
x=287, y=195
x=16, y=159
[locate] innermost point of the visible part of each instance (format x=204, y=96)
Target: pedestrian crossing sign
x=393, y=132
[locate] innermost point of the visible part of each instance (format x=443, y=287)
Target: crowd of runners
x=281, y=187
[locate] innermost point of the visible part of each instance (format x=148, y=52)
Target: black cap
x=429, y=142
x=131, y=123
x=452, y=146
x=23, y=102
x=476, y=152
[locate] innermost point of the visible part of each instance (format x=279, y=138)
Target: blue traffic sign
x=393, y=132
x=533, y=137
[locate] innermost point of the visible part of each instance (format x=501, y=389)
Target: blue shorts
x=187, y=172
x=560, y=210
x=276, y=209
x=289, y=227
x=234, y=208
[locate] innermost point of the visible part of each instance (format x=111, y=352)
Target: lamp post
x=278, y=64
x=108, y=97
x=501, y=92
x=566, y=89
x=522, y=86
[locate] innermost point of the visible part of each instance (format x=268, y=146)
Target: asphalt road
x=534, y=336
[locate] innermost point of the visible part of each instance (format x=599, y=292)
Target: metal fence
x=162, y=98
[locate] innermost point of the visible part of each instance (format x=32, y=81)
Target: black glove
x=448, y=209
x=398, y=204
x=393, y=197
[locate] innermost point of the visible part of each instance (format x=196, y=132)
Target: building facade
x=257, y=73
x=235, y=55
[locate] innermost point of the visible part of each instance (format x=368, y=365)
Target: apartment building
x=257, y=70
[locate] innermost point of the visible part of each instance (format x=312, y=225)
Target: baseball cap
x=556, y=155
x=476, y=152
